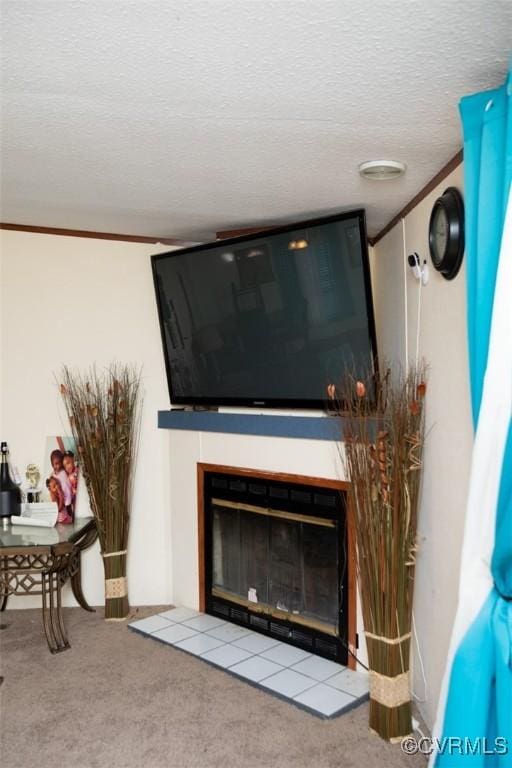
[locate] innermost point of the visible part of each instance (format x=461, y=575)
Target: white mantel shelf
x=305, y=427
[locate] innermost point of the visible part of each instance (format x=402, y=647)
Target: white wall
x=442, y=342
x=83, y=301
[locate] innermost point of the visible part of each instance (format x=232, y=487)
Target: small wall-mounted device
x=419, y=270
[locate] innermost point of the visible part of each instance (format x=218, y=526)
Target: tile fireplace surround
x=322, y=687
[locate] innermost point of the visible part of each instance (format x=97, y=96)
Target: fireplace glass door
x=278, y=563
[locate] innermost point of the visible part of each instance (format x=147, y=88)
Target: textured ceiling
x=181, y=118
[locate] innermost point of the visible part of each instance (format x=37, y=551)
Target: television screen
x=269, y=319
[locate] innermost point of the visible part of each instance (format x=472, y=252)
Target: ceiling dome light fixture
x=382, y=170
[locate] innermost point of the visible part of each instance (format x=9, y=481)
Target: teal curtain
x=479, y=697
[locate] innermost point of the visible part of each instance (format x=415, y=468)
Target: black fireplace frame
x=339, y=648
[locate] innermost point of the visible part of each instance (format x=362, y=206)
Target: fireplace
x=275, y=556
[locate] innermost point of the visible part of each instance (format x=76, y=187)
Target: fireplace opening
x=275, y=559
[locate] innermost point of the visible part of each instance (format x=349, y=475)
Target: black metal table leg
x=4, y=590
x=81, y=544
x=42, y=569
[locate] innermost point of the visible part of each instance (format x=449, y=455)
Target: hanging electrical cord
x=421, y=273
x=343, y=641
x=425, y=687
x=405, y=262
x=420, y=659
x=362, y=664
x=418, y=323
x=421, y=282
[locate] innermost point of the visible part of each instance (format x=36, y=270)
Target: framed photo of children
x=61, y=475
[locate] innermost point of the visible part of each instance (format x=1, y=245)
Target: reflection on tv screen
x=271, y=319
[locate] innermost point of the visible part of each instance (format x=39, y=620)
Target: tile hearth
x=320, y=686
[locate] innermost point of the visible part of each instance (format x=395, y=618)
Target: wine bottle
x=10, y=494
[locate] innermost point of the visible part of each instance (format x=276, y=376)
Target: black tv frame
x=294, y=404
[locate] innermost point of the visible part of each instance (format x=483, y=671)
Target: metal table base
x=43, y=569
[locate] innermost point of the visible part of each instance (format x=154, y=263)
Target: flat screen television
x=268, y=319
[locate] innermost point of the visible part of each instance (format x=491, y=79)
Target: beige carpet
x=119, y=700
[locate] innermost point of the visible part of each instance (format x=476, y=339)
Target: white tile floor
x=324, y=688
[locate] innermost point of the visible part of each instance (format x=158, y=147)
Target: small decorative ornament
x=446, y=233
x=33, y=475
x=331, y=391
x=420, y=390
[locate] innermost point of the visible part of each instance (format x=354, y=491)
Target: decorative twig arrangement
x=383, y=428
x=104, y=415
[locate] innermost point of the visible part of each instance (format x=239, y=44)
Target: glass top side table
x=39, y=561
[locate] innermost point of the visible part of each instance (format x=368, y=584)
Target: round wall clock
x=446, y=233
